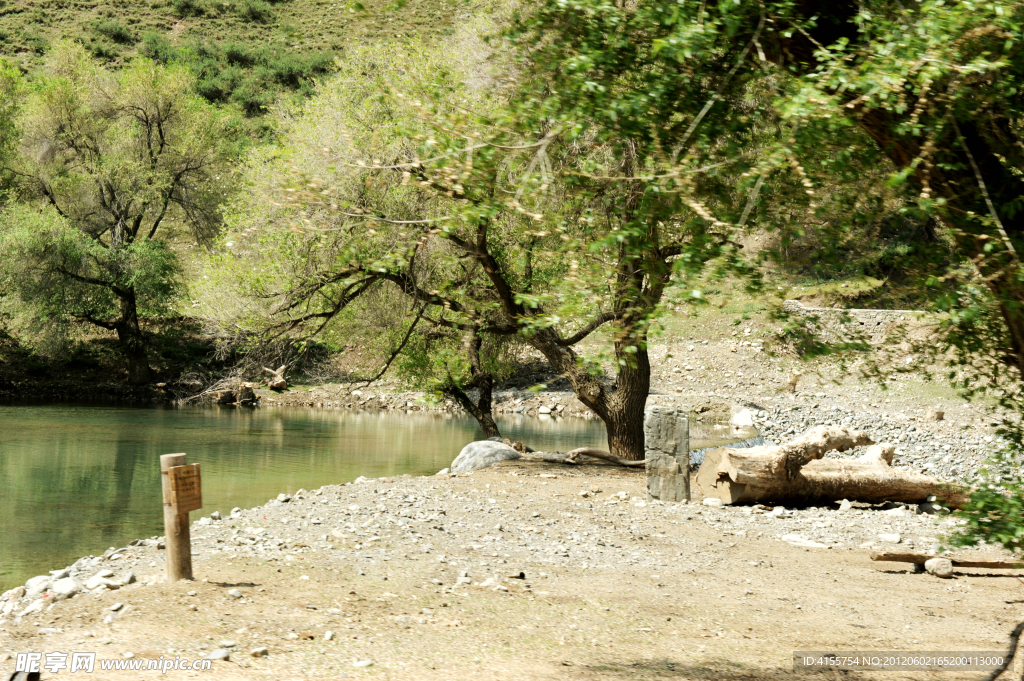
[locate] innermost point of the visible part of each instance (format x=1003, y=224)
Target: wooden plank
x=186, y=488
x=922, y=558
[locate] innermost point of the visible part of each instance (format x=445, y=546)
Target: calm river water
x=75, y=480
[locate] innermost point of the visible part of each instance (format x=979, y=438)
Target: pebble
x=219, y=654
x=116, y=606
x=362, y=663
x=890, y=538
x=712, y=501
x=228, y=644
x=235, y=593
x=262, y=651
x=328, y=635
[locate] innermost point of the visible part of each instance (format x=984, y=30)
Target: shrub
x=158, y=48
x=258, y=11
x=116, y=31
x=188, y=8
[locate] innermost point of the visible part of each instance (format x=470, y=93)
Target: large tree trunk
x=133, y=345
x=796, y=472
x=624, y=417
x=481, y=409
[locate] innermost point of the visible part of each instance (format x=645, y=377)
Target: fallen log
x=922, y=558
x=796, y=472
x=572, y=458
x=277, y=380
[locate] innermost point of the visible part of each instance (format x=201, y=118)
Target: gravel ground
x=517, y=572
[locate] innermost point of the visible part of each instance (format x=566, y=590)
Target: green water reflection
x=75, y=480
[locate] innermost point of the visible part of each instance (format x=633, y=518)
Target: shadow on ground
x=713, y=670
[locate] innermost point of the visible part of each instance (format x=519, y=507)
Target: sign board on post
x=182, y=493
x=186, y=488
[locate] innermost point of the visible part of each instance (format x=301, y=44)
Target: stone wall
x=837, y=323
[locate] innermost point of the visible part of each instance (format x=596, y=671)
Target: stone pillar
x=667, y=453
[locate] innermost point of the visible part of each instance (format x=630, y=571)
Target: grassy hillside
x=244, y=51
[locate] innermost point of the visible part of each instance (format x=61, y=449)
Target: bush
x=158, y=48
x=188, y=8
x=258, y=11
x=995, y=513
x=116, y=31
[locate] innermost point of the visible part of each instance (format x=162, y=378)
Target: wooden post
x=182, y=493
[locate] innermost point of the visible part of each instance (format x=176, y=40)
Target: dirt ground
x=650, y=591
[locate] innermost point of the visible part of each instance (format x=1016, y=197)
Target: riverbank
x=524, y=570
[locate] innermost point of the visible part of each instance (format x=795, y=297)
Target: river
x=75, y=480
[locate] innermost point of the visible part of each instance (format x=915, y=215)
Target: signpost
x=183, y=492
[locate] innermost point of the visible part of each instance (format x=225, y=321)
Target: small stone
x=845, y=505
x=116, y=606
x=544, y=410
x=228, y=644
x=35, y=606
x=219, y=654
x=940, y=567
x=443, y=471
x=328, y=635
x=129, y=578
x=283, y=498
x=292, y=636
x=362, y=663
x=259, y=652
x=890, y=538
x=712, y=501
x=235, y=593
x=65, y=588
x=128, y=655
x=215, y=515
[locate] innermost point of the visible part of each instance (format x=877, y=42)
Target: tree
x=492, y=223
x=934, y=87
x=107, y=163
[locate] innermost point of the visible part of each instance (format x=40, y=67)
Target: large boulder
x=481, y=454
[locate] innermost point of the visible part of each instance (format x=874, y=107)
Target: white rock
x=362, y=663
x=259, y=652
x=482, y=454
x=97, y=581
x=219, y=654
x=228, y=644
x=37, y=582
x=204, y=521
x=890, y=538
x=742, y=419
x=443, y=471
x=328, y=635
x=235, y=593
x=797, y=540
x=713, y=501
x=65, y=588
x=845, y=505
x=116, y=606
x=940, y=567
x=544, y=410
x=35, y=606
x=215, y=515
